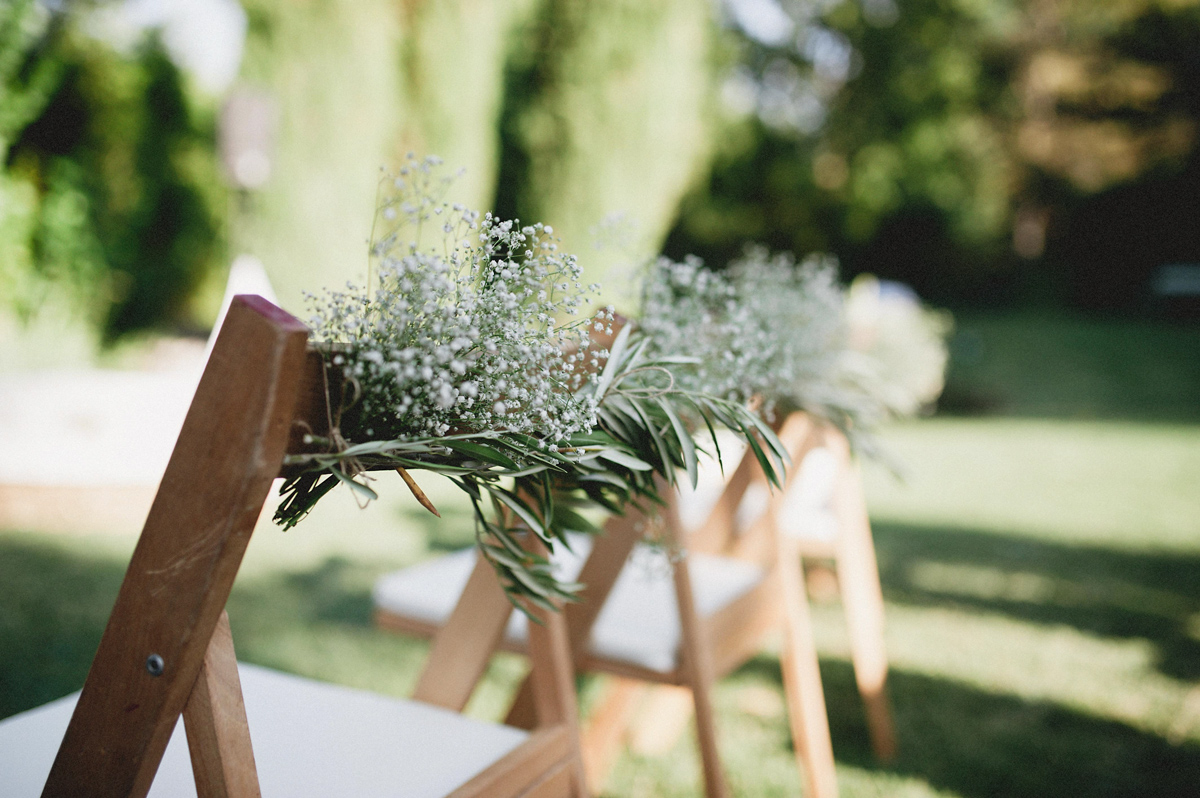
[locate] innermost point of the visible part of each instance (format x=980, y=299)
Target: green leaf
x=763, y=461
x=567, y=520
x=627, y=460
x=686, y=444
x=615, y=354
x=665, y=456
x=480, y=452
x=593, y=438
x=606, y=477
x=522, y=510
x=359, y=488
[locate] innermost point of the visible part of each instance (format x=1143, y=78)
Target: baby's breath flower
x=458, y=337
x=765, y=327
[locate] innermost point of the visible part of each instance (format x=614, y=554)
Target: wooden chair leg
x=215, y=721
x=862, y=601
x=696, y=657
x=552, y=681
x=522, y=714
x=451, y=671
x=599, y=574
x=802, y=680
x=607, y=726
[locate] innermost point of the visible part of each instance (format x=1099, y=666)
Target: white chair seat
x=310, y=739
x=806, y=512
x=639, y=623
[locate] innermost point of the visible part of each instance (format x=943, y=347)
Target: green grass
x=1041, y=572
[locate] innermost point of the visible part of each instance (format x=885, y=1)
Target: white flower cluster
x=900, y=344
x=765, y=327
x=467, y=335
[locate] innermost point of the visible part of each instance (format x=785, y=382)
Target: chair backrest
x=261, y=390
x=722, y=531
x=229, y=450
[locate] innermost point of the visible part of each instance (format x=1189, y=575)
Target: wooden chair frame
x=167, y=649
x=710, y=647
x=714, y=646
x=852, y=551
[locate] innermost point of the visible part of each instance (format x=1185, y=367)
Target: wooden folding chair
x=822, y=515
x=686, y=626
x=167, y=650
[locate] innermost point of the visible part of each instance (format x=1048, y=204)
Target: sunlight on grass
x=1123, y=484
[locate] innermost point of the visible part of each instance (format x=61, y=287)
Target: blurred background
x=1032, y=166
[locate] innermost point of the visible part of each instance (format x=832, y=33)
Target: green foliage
x=27, y=79
x=517, y=483
x=892, y=151
x=981, y=150
x=112, y=185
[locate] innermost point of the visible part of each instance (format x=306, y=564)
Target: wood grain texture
x=558, y=783
x=228, y=452
x=218, y=735
x=512, y=776
x=464, y=646
x=317, y=404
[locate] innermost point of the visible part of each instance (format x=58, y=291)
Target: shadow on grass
x=984, y=745
x=53, y=608
x=54, y=604
x=1104, y=591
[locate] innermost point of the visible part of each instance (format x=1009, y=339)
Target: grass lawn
x=1041, y=569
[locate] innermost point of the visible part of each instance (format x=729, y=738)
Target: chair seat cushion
x=310, y=738
x=639, y=624
x=806, y=510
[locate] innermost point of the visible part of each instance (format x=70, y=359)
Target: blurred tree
x=1117, y=153
x=978, y=149
x=608, y=113
x=333, y=69
x=109, y=177
x=358, y=84
x=875, y=130
x=602, y=107
x=27, y=81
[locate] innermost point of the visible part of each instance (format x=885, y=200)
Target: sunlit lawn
x=1042, y=578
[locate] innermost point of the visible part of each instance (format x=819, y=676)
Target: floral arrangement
x=469, y=355
x=766, y=327
x=900, y=345
x=786, y=334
